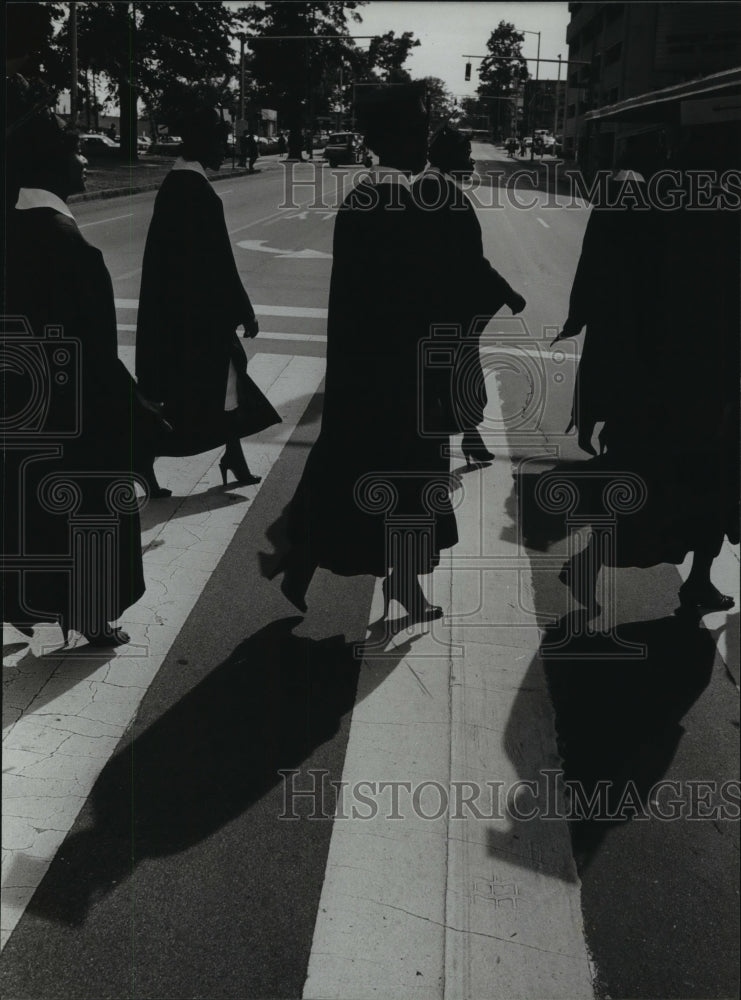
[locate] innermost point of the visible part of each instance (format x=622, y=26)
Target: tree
x=297, y=77
x=440, y=101
x=504, y=68
x=145, y=49
x=387, y=54
x=29, y=49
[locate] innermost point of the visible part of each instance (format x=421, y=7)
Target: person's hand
x=251, y=327
x=517, y=303
x=154, y=413
x=570, y=329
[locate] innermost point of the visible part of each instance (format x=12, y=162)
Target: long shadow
x=268, y=707
x=618, y=722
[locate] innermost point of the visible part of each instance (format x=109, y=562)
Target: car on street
x=345, y=147
x=94, y=144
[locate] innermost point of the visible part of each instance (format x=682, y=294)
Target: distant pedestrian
x=252, y=152
x=188, y=356
x=243, y=149
x=281, y=144
x=112, y=132
x=471, y=291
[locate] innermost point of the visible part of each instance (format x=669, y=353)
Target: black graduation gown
x=375, y=415
x=70, y=406
x=468, y=291
x=190, y=303
x=659, y=292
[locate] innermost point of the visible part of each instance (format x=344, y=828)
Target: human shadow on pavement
x=206, y=760
x=618, y=721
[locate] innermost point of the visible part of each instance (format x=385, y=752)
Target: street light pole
x=73, y=54
x=537, y=76
x=555, y=102
x=241, y=77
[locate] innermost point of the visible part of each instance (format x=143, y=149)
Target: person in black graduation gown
x=659, y=293
x=471, y=290
x=69, y=404
x=371, y=460
x=188, y=355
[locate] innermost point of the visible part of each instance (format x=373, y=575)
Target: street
x=152, y=846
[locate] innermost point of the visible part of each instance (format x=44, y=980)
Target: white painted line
x=313, y=337
x=128, y=274
x=300, y=312
x=460, y=905
x=44, y=789
x=542, y=222
x=262, y=335
x=101, y=222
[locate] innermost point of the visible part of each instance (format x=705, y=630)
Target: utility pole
x=73, y=53
x=537, y=75
x=241, y=76
x=555, y=102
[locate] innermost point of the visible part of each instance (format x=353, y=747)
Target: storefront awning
x=706, y=100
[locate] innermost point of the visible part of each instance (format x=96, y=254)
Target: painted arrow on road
x=302, y=254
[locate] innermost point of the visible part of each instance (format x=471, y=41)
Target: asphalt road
x=218, y=898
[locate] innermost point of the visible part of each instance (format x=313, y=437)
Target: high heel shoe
x=407, y=592
x=106, y=638
x=707, y=598
x=474, y=449
x=241, y=471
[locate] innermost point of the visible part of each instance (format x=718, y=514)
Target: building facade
x=621, y=50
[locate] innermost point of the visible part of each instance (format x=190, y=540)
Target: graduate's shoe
x=108, y=638
x=297, y=576
x=703, y=598
x=241, y=470
x=157, y=492
x=105, y=638
x=406, y=591
x=474, y=449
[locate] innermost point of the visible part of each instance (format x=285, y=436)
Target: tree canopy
x=502, y=70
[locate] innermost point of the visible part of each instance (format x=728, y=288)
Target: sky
x=450, y=29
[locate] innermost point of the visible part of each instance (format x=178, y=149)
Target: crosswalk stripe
x=263, y=335
x=299, y=312
x=432, y=900
x=43, y=789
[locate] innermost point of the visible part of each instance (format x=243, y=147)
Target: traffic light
x=468, y=71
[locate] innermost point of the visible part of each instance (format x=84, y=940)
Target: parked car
x=94, y=144
x=143, y=143
x=345, y=147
